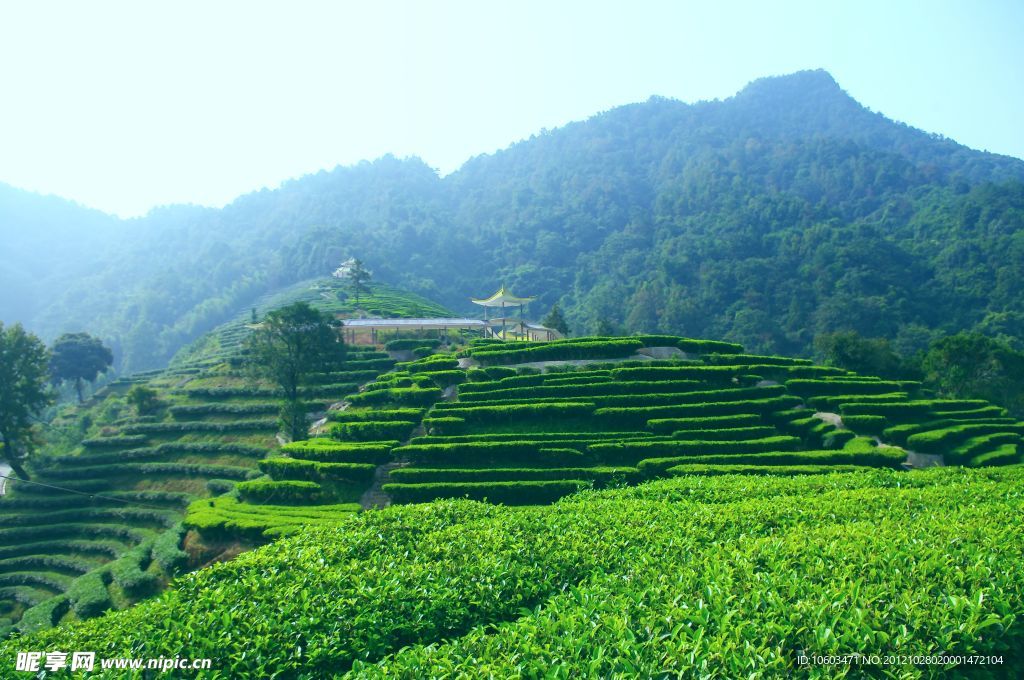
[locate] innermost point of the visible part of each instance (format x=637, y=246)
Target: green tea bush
x=600, y=475
x=89, y=595
x=726, y=434
x=638, y=416
x=119, y=442
x=670, y=425
x=445, y=378
x=632, y=452
x=944, y=440
x=507, y=413
x=587, y=389
x=280, y=492
x=368, y=430
x=499, y=372
x=253, y=425
x=506, y=493
x=811, y=388
x=129, y=572
x=682, y=575
x=692, y=346
x=444, y=425
x=558, y=351
x=410, y=396
x=411, y=343
x=331, y=451
x=784, y=470
x=167, y=553
x=866, y=423
x=376, y=415
x=757, y=359
x=483, y=453
x=190, y=411
x=880, y=457
x=311, y=470
x=44, y=615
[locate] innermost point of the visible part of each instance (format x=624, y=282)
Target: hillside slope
x=99, y=526
x=786, y=211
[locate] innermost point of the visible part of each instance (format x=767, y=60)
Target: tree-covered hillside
x=768, y=218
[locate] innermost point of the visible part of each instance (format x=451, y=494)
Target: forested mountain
x=786, y=211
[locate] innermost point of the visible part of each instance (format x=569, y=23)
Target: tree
x=867, y=356
x=143, y=398
x=556, y=321
x=291, y=343
x=24, y=361
x=973, y=366
x=78, y=357
x=358, y=278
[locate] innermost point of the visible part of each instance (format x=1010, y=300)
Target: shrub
x=570, y=391
x=632, y=452
x=805, y=387
x=188, y=411
x=366, y=431
x=411, y=343
x=726, y=434
x=129, y=572
x=757, y=359
x=445, y=378
x=507, y=493
x=890, y=410
x=330, y=451
x=311, y=470
x=558, y=351
x=477, y=375
x=782, y=470
x=46, y=614
x=254, y=425
x=720, y=374
x=865, y=423
x=412, y=396
x=219, y=486
x=637, y=416
x=599, y=475
x=471, y=454
x=670, y=425
x=880, y=457
x=436, y=362
x=977, y=446
x=942, y=441
x=691, y=346
x=1007, y=454
x=505, y=413
x=444, y=425
x=89, y=595
x=499, y=372
x=167, y=553
x=376, y=415
x=119, y=442
x=282, y=493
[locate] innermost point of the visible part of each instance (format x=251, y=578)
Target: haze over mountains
x=783, y=212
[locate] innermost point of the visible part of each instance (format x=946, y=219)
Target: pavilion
x=505, y=300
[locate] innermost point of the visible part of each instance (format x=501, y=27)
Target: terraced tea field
x=694, y=576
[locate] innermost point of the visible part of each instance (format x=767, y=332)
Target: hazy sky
x=127, y=105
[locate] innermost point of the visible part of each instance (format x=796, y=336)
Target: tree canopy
x=291, y=343
x=78, y=357
x=24, y=362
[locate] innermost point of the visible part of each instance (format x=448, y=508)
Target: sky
x=123, y=106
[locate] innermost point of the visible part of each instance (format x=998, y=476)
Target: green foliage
x=489, y=453
x=870, y=356
x=365, y=431
x=311, y=470
x=974, y=366
x=143, y=399
x=506, y=493
x=557, y=350
x=405, y=396
x=377, y=415
x=600, y=475
x=523, y=587
x=77, y=357
x=89, y=595
x=555, y=320
x=292, y=343
x=280, y=492
x=411, y=343
x=23, y=393
x=227, y=518
x=670, y=425
x=331, y=451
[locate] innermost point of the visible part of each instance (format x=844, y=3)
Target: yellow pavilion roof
x=502, y=297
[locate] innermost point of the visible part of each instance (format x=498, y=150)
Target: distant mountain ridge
x=785, y=211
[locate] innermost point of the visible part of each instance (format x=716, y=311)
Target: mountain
x=786, y=211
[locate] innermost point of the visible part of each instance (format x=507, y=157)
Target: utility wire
x=94, y=496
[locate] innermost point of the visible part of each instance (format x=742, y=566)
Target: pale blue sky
x=126, y=105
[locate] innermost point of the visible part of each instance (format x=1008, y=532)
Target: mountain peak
x=815, y=83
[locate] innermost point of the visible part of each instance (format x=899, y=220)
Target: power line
x=94, y=496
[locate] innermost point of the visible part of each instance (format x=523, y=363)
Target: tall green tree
x=292, y=343
x=24, y=363
x=971, y=365
x=868, y=356
x=359, y=279
x=555, y=320
x=79, y=357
